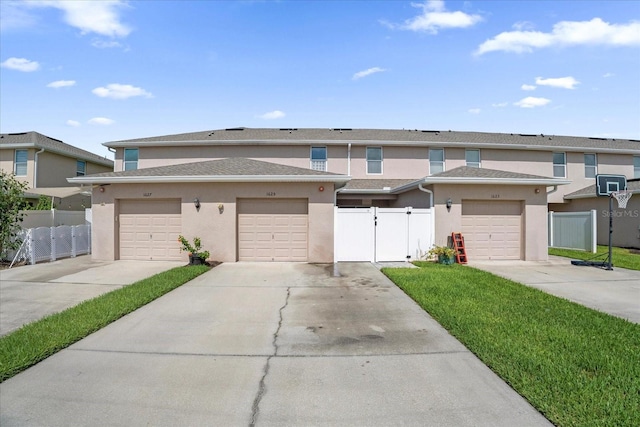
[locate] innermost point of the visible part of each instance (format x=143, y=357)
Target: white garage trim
x=492, y=230
x=149, y=230
x=273, y=229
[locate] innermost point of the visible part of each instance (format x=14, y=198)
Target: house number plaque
x=146, y=194
x=271, y=193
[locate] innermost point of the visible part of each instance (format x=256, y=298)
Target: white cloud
x=61, y=83
x=527, y=87
x=14, y=16
x=101, y=121
x=607, y=75
x=562, y=82
x=435, y=17
x=367, y=72
x=20, y=64
x=118, y=91
x=104, y=44
x=565, y=33
x=73, y=123
x=523, y=25
x=531, y=102
x=100, y=17
x=500, y=104
x=276, y=114
x=474, y=110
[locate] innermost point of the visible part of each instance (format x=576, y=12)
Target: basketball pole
x=609, y=266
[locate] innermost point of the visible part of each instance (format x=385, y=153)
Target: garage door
x=492, y=229
x=272, y=229
x=149, y=229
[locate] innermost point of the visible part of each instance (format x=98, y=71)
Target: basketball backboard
x=607, y=184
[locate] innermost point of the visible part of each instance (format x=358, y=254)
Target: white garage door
x=149, y=229
x=272, y=229
x=492, y=229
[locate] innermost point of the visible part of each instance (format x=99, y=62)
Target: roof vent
x=288, y=129
x=211, y=133
x=234, y=129
x=599, y=139
x=437, y=132
x=341, y=129
x=634, y=140
x=527, y=134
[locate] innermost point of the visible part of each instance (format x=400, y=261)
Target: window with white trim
x=130, y=159
x=636, y=166
x=559, y=165
x=81, y=168
x=374, y=160
x=319, y=158
x=472, y=157
x=436, y=160
x=20, y=163
x=590, y=165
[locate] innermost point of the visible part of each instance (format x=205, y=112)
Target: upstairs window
x=374, y=160
x=590, y=165
x=81, y=168
x=319, y=158
x=20, y=163
x=436, y=160
x=473, y=158
x=636, y=166
x=130, y=159
x=559, y=165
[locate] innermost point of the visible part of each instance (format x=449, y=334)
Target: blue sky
x=97, y=71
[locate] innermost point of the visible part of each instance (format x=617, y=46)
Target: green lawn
x=577, y=366
x=623, y=258
x=38, y=340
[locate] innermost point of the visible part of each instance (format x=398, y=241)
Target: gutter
x=205, y=178
x=506, y=181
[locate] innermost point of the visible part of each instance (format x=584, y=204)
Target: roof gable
x=225, y=170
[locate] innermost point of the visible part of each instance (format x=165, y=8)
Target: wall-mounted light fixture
x=196, y=203
x=101, y=189
x=449, y=203
x=221, y=208
x=537, y=191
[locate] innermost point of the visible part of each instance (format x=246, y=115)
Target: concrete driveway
x=616, y=292
x=269, y=344
x=31, y=292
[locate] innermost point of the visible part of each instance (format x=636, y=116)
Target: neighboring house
x=45, y=164
x=269, y=194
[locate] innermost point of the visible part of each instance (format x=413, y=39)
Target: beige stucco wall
x=534, y=217
x=626, y=222
x=218, y=231
x=7, y=157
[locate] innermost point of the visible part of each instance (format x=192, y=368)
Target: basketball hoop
x=622, y=197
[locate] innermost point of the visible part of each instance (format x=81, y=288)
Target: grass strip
x=577, y=366
x=622, y=258
x=38, y=340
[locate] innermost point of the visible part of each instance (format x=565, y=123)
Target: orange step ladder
x=458, y=245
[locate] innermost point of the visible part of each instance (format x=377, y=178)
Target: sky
x=89, y=72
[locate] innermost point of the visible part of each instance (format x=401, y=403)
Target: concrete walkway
x=615, y=292
x=31, y=292
x=270, y=345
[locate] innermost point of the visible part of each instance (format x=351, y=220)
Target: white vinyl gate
x=382, y=234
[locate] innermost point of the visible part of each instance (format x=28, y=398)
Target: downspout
x=555, y=188
x=349, y=159
x=35, y=168
x=433, y=214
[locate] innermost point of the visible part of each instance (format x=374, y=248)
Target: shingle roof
x=375, y=184
x=229, y=168
x=469, y=172
x=386, y=136
x=38, y=140
x=590, y=191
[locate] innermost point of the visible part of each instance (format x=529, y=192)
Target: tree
x=11, y=203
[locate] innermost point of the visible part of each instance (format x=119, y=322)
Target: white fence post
x=594, y=231
x=551, y=228
x=53, y=244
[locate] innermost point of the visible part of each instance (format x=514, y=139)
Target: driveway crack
x=255, y=407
